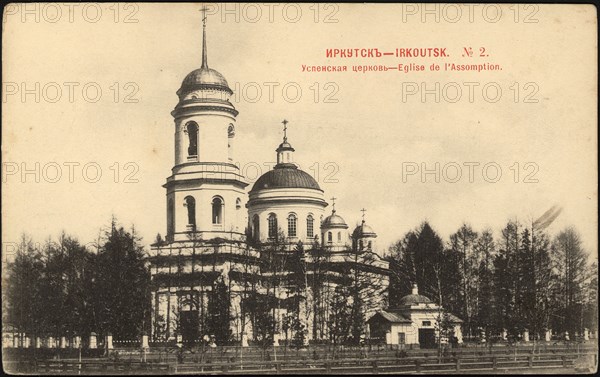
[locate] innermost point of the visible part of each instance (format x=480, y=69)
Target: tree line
x=522, y=280
x=63, y=288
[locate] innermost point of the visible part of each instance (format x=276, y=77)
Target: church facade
x=268, y=263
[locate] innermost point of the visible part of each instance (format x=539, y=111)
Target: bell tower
x=206, y=192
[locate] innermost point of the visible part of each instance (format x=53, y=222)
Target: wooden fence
x=462, y=364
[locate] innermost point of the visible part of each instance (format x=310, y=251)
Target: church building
x=247, y=264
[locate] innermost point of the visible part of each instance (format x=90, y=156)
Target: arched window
x=190, y=203
x=370, y=244
x=256, y=227
x=238, y=203
x=272, y=225
x=192, y=131
x=292, y=225
x=329, y=237
x=339, y=236
x=310, y=231
x=217, y=210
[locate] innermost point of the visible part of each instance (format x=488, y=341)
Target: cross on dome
x=285, y=122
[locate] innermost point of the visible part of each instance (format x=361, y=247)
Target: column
x=93, y=343
x=109, y=341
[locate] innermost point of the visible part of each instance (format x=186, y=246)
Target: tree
x=544, y=284
x=420, y=258
x=571, y=263
x=485, y=300
x=402, y=266
x=121, y=285
x=366, y=289
x=339, y=315
x=218, y=308
x=507, y=284
x=463, y=243
x=25, y=304
x=318, y=282
x=590, y=316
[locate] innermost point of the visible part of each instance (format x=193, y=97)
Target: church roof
x=390, y=316
x=204, y=78
x=363, y=230
x=414, y=299
x=285, y=176
x=334, y=221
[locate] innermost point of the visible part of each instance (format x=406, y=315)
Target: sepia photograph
x=299, y=188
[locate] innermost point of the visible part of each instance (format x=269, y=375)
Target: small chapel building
x=413, y=322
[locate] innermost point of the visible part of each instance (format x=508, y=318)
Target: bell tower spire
x=199, y=202
x=204, y=57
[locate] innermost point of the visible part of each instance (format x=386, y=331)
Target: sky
x=88, y=91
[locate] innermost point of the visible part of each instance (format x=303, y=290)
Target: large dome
x=204, y=78
x=285, y=176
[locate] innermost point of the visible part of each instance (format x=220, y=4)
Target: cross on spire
x=203, y=10
x=363, y=215
x=333, y=204
x=285, y=122
x=204, y=57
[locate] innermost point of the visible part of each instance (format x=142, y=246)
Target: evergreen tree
x=219, y=316
x=571, y=262
x=25, y=302
x=485, y=302
x=121, y=285
x=340, y=315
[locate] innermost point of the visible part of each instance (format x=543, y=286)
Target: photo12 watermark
x=471, y=172
x=69, y=172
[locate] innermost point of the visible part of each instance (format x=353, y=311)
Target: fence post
x=530, y=361
x=458, y=363
x=418, y=365
x=278, y=367
x=564, y=360
x=375, y=366
x=495, y=362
